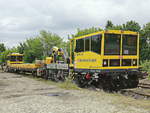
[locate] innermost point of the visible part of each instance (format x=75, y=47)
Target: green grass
x=126, y=101
x=149, y=77
x=146, y=67
x=68, y=85
x=65, y=85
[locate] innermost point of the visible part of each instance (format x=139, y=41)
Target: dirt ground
x=19, y=94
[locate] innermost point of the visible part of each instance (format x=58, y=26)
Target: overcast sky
x=20, y=19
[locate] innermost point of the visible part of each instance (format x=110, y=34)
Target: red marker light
x=88, y=76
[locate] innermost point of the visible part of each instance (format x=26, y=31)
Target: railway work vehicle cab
x=15, y=58
x=110, y=57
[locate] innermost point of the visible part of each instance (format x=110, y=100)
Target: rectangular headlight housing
x=105, y=63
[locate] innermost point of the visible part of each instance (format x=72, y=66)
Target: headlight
x=105, y=63
x=134, y=62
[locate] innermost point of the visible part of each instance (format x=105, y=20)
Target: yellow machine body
x=25, y=66
x=48, y=60
x=15, y=58
x=87, y=59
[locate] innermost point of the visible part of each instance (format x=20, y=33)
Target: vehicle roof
x=107, y=31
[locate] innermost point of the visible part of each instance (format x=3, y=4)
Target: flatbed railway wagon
x=48, y=69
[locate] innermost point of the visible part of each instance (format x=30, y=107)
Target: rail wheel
x=6, y=69
x=133, y=81
x=46, y=75
x=34, y=73
x=107, y=83
x=60, y=76
x=80, y=80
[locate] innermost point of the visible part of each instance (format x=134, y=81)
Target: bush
x=69, y=85
x=145, y=66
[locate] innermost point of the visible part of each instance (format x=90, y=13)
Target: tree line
x=39, y=47
x=34, y=48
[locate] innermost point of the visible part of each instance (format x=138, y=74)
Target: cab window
x=13, y=58
x=112, y=44
x=79, y=45
x=96, y=43
x=129, y=44
x=19, y=58
x=87, y=44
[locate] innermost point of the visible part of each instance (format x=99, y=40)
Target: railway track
x=144, y=85
x=135, y=94
x=141, y=92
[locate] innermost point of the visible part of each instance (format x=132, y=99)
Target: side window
x=96, y=43
x=79, y=45
x=87, y=44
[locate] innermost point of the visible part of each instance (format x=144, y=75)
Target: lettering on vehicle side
x=79, y=54
x=86, y=60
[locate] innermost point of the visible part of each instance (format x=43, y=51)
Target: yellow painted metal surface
x=48, y=60
x=88, y=60
x=108, y=31
x=21, y=64
x=24, y=66
x=14, y=62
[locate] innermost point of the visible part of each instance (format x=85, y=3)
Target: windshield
x=13, y=58
x=112, y=44
x=16, y=58
x=129, y=44
x=19, y=58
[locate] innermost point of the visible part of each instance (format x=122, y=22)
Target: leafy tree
x=81, y=32
x=109, y=25
x=21, y=47
x=132, y=26
x=49, y=40
x=144, y=42
x=2, y=47
x=67, y=47
x=117, y=27
x=3, y=56
x=129, y=25
x=39, y=47
x=33, y=50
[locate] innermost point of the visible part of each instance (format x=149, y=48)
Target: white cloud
x=20, y=19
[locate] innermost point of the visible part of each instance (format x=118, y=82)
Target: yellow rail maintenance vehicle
x=15, y=64
x=15, y=58
x=109, y=59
